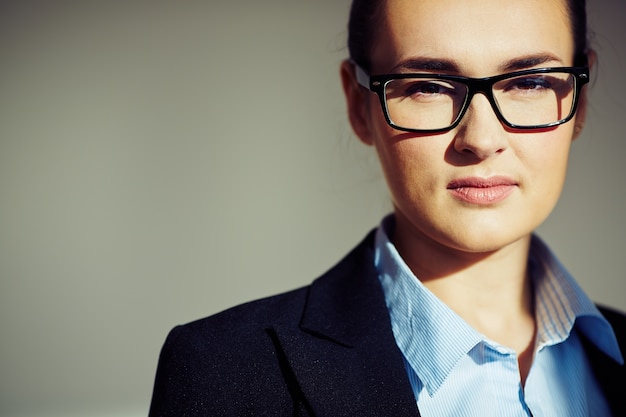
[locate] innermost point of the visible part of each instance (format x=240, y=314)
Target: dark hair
x=577, y=10
x=366, y=15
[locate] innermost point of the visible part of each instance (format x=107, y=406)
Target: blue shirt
x=456, y=371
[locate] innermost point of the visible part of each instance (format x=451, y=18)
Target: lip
x=482, y=191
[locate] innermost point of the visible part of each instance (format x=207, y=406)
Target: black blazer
x=323, y=350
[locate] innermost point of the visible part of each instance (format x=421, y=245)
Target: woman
x=452, y=306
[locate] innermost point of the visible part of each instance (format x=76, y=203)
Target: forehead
x=477, y=34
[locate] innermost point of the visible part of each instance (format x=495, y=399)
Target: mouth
x=482, y=191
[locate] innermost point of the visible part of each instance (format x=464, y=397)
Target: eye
x=528, y=84
x=425, y=88
x=537, y=85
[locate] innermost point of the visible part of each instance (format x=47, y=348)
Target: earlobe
x=356, y=101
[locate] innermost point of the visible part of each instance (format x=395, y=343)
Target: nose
x=480, y=133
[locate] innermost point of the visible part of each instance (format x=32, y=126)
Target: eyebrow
x=451, y=67
x=529, y=61
x=427, y=65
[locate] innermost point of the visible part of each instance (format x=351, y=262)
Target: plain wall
x=161, y=161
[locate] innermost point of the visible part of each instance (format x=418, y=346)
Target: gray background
x=161, y=161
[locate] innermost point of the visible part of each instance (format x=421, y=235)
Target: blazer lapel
x=342, y=354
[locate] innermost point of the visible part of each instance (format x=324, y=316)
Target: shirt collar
x=443, y=337
x=561, y=304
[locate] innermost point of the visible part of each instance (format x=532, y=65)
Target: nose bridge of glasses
x=482, y=86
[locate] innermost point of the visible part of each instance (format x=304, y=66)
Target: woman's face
x=480, y=186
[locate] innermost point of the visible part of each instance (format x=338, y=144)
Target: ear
x=581, y=111
x=357, y=103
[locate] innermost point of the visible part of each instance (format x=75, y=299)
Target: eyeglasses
x=431, y=103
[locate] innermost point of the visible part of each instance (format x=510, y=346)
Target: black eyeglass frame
x=377, y=84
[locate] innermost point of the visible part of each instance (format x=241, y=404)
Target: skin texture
x=472, y=256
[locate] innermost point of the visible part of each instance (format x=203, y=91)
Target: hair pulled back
x=367, y=15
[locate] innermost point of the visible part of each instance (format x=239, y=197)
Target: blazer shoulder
x=225, y=364
x=238, y=330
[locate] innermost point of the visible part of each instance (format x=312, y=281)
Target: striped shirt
x=456, y=371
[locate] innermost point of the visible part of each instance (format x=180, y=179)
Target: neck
x=494, y=280
x=490, y=291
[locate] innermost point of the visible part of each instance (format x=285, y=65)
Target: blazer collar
x=345, y=340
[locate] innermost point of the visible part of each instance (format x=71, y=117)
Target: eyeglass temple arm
x=362, y=77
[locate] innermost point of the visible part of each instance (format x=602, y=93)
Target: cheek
x=412, y=165
x=546, y=163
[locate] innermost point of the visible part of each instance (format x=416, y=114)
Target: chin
x=482, y=241
x=492, y=243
